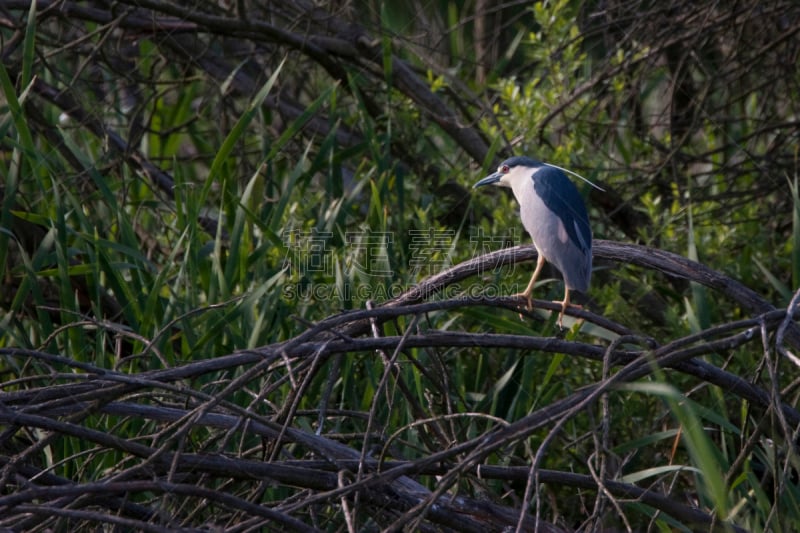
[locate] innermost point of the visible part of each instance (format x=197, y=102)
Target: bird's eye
x=504, y=169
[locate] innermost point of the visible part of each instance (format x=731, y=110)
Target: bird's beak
x=494, y=178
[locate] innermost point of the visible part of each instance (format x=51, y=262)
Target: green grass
x=279, y=220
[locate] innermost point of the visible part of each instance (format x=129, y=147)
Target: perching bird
x=552, y=211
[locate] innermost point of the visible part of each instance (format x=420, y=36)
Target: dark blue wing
x=561, y=196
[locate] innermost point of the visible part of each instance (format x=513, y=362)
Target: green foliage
x=243, y=208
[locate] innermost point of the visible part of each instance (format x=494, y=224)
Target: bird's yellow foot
x=528, y=300
x=564, y=305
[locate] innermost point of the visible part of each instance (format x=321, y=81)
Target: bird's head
x=510, y=171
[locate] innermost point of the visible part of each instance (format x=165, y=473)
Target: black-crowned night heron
x=552, y=211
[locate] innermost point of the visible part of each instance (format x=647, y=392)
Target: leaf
x=238, y=130
x=635, y=477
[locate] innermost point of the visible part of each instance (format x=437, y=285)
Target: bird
x=553, y=213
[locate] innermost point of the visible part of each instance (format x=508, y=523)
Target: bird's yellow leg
x=529, y=289
x=564, y=305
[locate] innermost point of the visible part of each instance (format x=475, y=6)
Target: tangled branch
x=175, y=462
